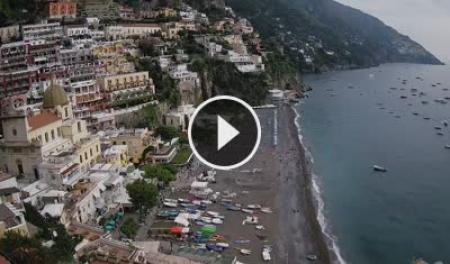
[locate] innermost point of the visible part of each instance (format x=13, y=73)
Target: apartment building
x=131, y=30
x=62, y=9
x=44, y=30
x=9, y=33
x=127, y=86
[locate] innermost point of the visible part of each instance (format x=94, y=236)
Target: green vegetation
x=21, y=249
x=129, y=228
x=168, y=132
x=143, y=196
x=167, y=90
x=160, y=172
x=182, y=156
x=131, y=102
x=151, y=115
x=14, y=11
x=251, y=88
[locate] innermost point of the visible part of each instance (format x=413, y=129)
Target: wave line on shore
x=317, y=193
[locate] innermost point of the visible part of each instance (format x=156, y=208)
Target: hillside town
x=95, y=104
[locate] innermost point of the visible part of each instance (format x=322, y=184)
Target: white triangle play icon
x=225, y=132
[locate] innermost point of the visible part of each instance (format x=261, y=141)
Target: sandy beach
x=299, y=231
x=277, y=177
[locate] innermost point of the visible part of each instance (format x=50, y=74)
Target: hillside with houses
x=96, y=98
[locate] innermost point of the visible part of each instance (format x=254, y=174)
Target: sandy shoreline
x=302, y=234
x=283, y=183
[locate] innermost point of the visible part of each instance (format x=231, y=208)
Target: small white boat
x=248, y=211
x=266, y=210
x=245, y=251
x=223, y=244
x=169, y=204
x=266, y=253
x=379, y=168
x=217, y=221
x=447, y=146
x=253, y=206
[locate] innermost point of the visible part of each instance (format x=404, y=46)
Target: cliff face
x=323, y=34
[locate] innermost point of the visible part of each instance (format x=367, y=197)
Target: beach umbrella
x=176, y=230
x=208, y=230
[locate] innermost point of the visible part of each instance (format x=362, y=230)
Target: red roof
x=41, y=120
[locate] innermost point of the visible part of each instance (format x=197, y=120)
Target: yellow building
x=111, y=56
x=50, y=134
x=137, y=140
x=116, y=155
x=128, y=86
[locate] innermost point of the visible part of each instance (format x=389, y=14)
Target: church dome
x=54, y=96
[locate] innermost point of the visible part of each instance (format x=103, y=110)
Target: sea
x=395, y=116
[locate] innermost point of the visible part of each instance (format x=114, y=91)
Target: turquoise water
x=353, y=120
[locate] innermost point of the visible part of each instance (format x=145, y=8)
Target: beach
x=277, y=177
x=299, y=231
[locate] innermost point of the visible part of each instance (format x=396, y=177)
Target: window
x=124, y=143
x=90, y=150
x=66, y=112
x=79, y=126
x=46, y=137
x=96, y=148
x=81, y=159
x=85, y=155
x=14, y=132
x=53, y=134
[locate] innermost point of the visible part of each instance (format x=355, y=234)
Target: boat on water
x=379, y=168
x=447, y=146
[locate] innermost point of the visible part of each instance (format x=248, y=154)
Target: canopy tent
x=208, y=230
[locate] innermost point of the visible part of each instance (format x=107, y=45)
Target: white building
x=131, y=30
x=179, y=117
x=43, y=30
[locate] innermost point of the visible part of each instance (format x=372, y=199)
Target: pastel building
x=62, y=9
x=32, y=139
x=44, y=30
x=127, y=86
x=131, y=30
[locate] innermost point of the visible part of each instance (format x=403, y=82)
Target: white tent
x=196, y=185
x=182, y=219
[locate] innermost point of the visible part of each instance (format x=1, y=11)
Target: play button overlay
x=224, y=132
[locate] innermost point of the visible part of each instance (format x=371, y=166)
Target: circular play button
x=224, y=132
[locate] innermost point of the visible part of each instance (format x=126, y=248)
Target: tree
x=143, y=195
x=167, y=132
x=22, y=249
x=161, y=172
x=166, y=87
x=129, y=228
x=64, y=246
x=151, y=115
x=147, y=46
